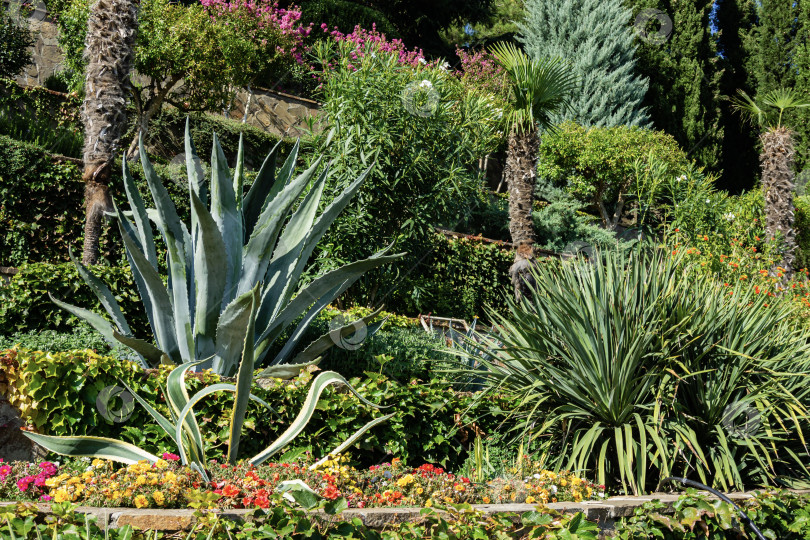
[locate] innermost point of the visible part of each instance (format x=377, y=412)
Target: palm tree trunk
x=520, y=173
x=111, y=29
x=777, y=184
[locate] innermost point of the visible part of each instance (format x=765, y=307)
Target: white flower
x=553, y=489
x=707, y=201
x=422, y=61
x=426, y=84
x=729, y=216
x=536, y=476
x=445, y=66
x=682, y=177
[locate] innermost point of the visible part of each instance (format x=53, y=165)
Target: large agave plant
x=234, y=244
x=183, y=427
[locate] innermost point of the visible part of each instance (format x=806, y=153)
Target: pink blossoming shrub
x=265, y=22
x=361, y=37
x=479, y=69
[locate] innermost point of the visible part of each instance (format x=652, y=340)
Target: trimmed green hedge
x=25, y=306
x=430, y=423
x=459, y=277
x=40, y=204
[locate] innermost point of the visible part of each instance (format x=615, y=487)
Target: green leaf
x=210, y=278
x=98, y=447
x=244, y=379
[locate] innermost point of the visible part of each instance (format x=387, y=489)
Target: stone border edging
x=605, y=512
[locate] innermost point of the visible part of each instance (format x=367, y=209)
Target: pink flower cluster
x=266, y=14
x=32, y=484
x=360, y=37
x=482, y=70
x=168, y=456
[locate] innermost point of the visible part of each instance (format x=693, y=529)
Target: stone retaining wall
x=605, y=513
x=46, y=54
x=279, y=113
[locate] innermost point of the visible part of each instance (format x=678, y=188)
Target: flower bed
x=167, y=484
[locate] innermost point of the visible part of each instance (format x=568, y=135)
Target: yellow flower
x=486, y=500
x=97, y=463
x=428, y=503
x=61, y=496
x=159, y=498
x=405, y=480
x=563, y=482
x=116, y=494
x=530, y=500
x=419, y=490
x=141, y=501
x=161, y=464
x=459, y=487
x=169, y=476
x=140, y=481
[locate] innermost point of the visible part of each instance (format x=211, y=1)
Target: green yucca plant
x=233, y=245
x=634, y=366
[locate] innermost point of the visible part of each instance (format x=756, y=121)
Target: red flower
x=230, y=491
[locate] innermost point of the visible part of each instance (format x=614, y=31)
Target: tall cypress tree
x=776, y=42
x=684, y=95
x=593, y=35
x=800, y=118
x=735, y=21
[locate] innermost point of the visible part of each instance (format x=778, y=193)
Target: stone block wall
x=276, y=112
x=46, y=54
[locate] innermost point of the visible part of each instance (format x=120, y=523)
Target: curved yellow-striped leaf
x=318, y=386
x=97, y=447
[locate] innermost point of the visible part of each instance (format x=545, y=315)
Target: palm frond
x=541, y=88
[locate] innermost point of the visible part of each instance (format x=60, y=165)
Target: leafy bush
x=31, y=180
x=15, y=41
x=400, y=353
x=802, y=226
x=30, y=114
x=778, y=514
x=561, y=224
x=641, y=367
x=82, y=337
x=599, y=165
x=458, y=277
x=25, y=306
x=425, y=131
x=430, y=419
